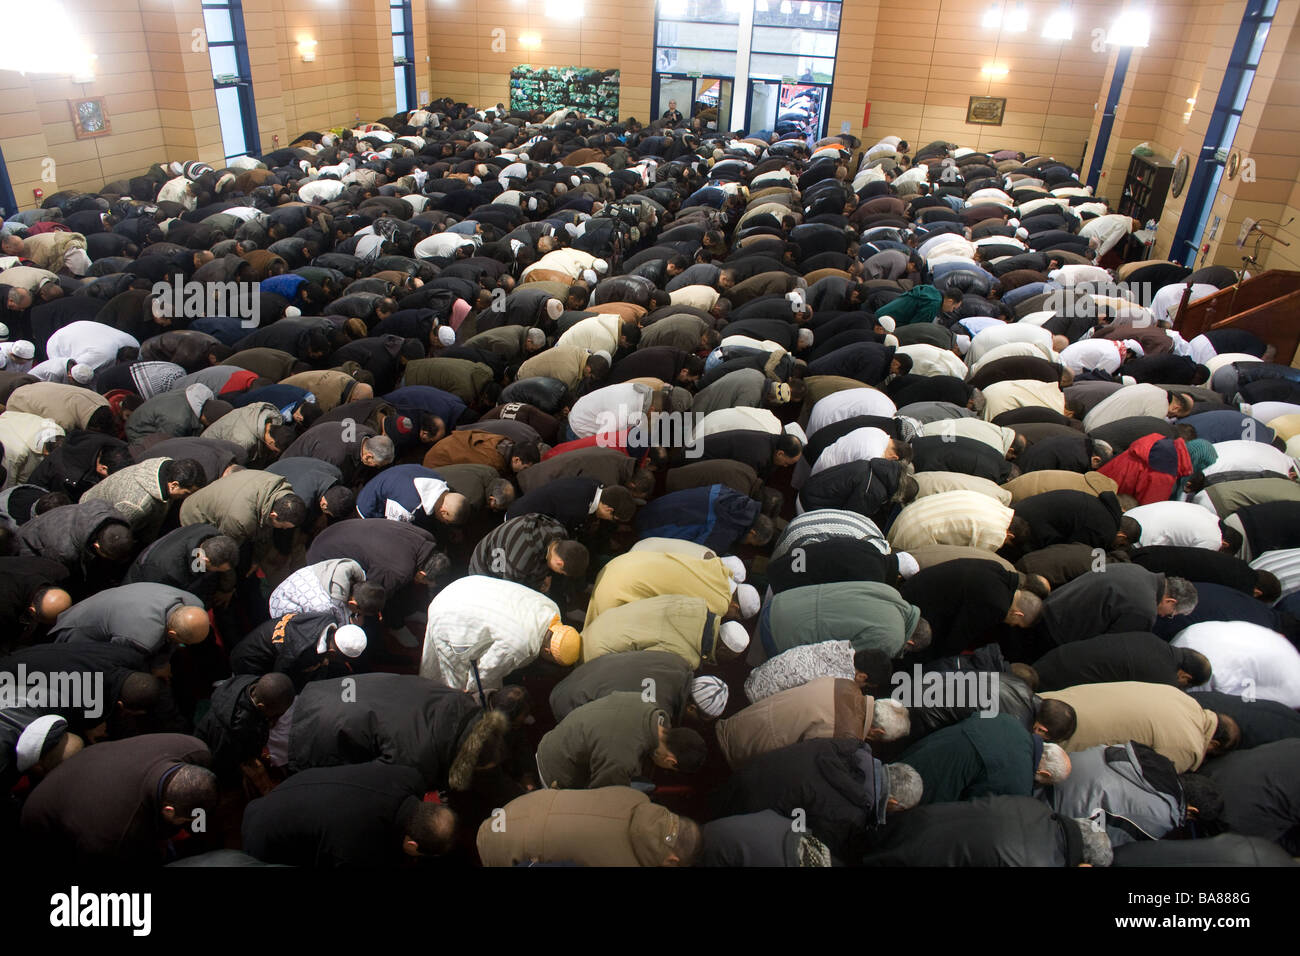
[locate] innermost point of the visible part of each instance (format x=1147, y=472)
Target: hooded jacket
x=23, y=438
x=609, y=826
x=1149, y=468
x=245, y=427
x=234, y=730
x=67, y=533
x=175, y=414
x=1135, y=787
x=137, y=493
x=324, y=586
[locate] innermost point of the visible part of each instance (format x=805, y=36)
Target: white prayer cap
x=554, y=308
x=891, y=341
x=23, y=349
x=735, y=566
x=44, y=731
x=734, y=635
x=4, y=331
x=82, y=374
x=907, y=565
x=475, y=180
x=1013, y=223
x=1022, y=233
x=447, y=335
x=886, y=322
x=710, y=695
x=292, y=312
x=589, y=276
x=601, y=266
x=601, y=353
x=350, y=640
x=793, y=428
x=747, y=597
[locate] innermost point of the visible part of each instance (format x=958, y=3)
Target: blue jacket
x=714, y=516
x=396, y=484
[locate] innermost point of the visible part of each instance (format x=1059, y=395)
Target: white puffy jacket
x=497, y=623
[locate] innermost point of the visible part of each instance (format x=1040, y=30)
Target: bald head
x=453, y=508
x=187, y=625
x=50, y=603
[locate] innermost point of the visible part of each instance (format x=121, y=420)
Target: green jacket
x=978, y=757
x=602, y=744
x=238, y=504
x=920, y=304
x=867, y=614
x=461, y=377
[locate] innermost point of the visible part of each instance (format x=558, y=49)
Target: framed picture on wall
x=89, y=118
x=986, y=110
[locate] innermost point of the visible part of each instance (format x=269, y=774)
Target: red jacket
x=1149, y=468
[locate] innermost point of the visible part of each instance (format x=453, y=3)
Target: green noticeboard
x=594, y=92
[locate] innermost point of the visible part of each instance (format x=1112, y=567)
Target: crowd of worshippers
x=403, y=566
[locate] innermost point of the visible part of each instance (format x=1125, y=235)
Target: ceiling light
x=1059, y=26
x=1131, y=28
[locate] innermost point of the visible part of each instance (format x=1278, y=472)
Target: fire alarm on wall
x=38, y=192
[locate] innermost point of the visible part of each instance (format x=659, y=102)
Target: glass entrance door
x=783, y=108
x=705, y=97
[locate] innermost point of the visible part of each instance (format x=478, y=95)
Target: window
x=787, y=47
x=223, y=21
x=1238, y=77
x=399, y=12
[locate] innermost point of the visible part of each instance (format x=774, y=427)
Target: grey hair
x=905, y=785
x=1055, y=762
x=977, y=402
x=804, y=338
x=892, y=718
x=382, y=447
x=536, y=338
x=1183, y=592
x=1096, y=844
